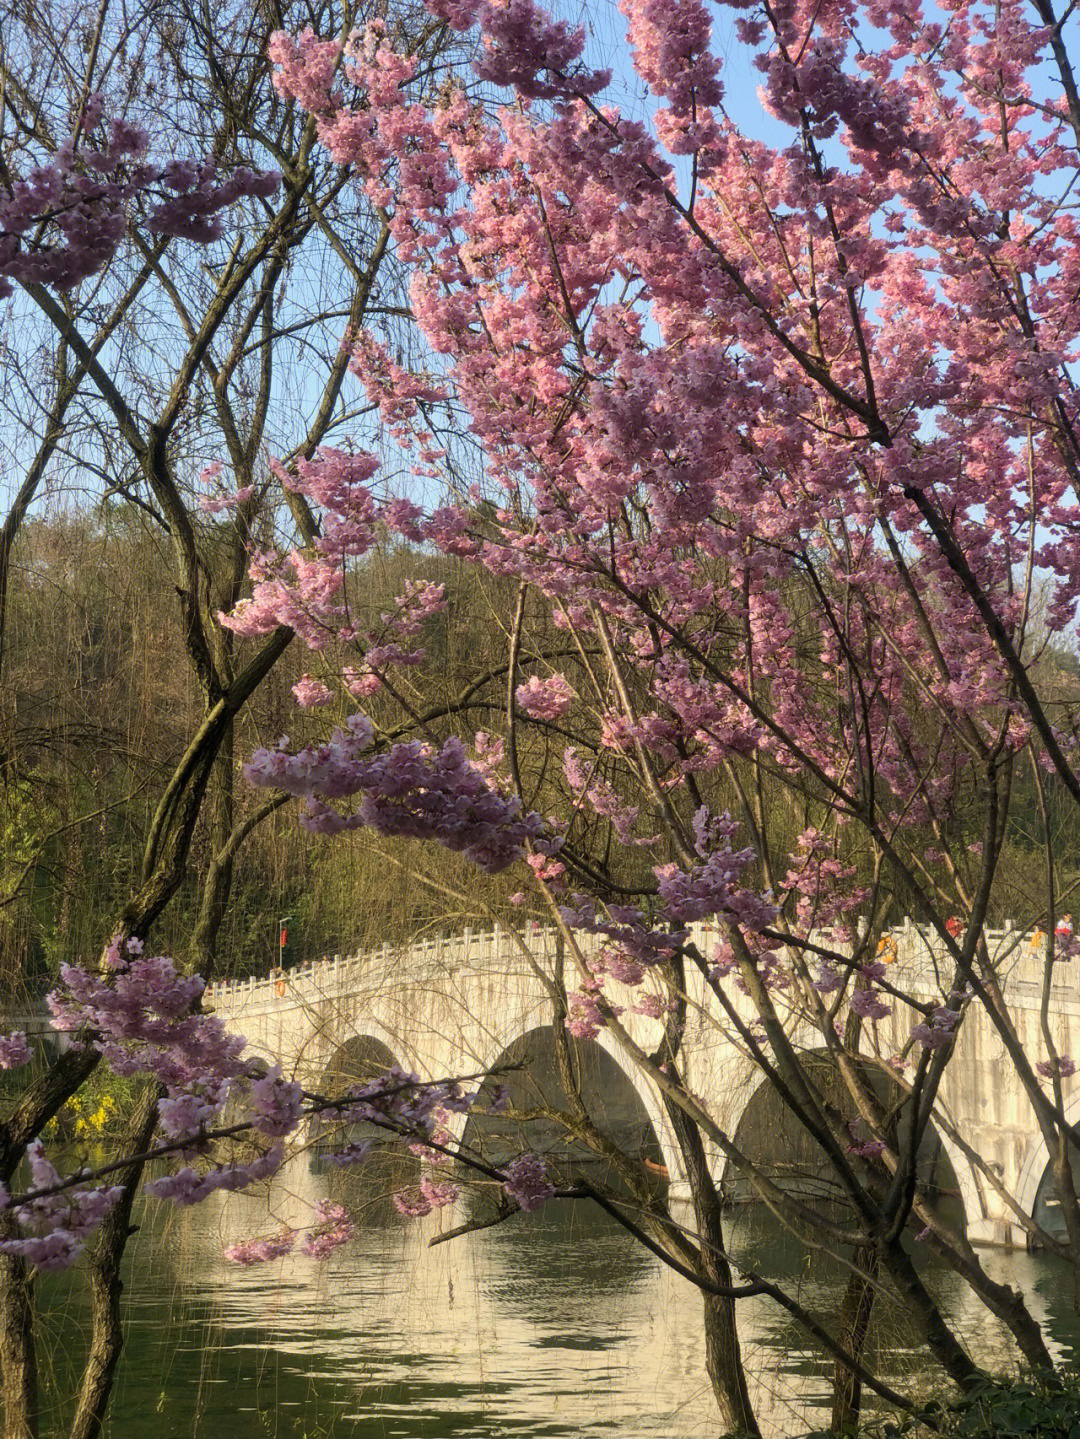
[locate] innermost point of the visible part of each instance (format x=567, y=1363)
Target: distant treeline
x=99, y=703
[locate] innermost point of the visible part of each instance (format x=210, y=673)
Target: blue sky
x=608, y=47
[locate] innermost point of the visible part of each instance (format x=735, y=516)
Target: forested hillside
x=97, y=709
x=98, y=705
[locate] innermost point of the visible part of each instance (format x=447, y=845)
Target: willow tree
x=177, y=261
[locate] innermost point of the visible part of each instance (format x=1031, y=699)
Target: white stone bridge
x=469, y=1004
x=474, y=1003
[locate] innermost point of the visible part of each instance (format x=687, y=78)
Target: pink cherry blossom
x=584, y=1018
x=526, y=1181
x=413, y=1203
x=261, y=1251
x=14, y=1050
x=544, y=699
x=333, y=1229
x=311, y=693
x=1063, y=1065
x=411, y=790
x=62, y=221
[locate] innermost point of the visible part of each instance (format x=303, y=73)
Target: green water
x=550, y=1325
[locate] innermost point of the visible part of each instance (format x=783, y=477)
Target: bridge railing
x=442, y=953
x=915, y=955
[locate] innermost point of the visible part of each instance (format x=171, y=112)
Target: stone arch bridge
x=460, y=1006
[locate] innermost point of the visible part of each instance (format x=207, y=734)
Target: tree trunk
x=103, y=1277
x=939, y=1338
x=217, y=882
x=854, y=1327
x=1006, y=1303
x=723, y=1354
x=723, y=1363
x=18, y=1357
x=1061, y=1168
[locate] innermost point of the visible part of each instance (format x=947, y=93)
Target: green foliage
x=1033, y=1406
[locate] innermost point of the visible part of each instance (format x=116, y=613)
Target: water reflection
x=555, y=1324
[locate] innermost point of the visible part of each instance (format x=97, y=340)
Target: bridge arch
x=649, y=1097
x=328, y=1038
x=1037, y=1161
x=358, y=1059
x=366, y=1189
x=764, y=1110
x=618, y=1097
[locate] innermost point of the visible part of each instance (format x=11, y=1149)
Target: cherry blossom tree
x=176, y=264
x=780, y=438
x=781, y=435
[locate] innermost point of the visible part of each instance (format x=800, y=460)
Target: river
x=555, y=1324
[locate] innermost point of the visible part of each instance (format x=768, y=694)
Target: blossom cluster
x=411, y=790
x=938, y=1029
x=63, y=220
x=55, y=1226
x=14, y=1050
x=544, y=699
x=752, y=457
x=766, y=426
x=526, y=1181
x=139, y=1013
